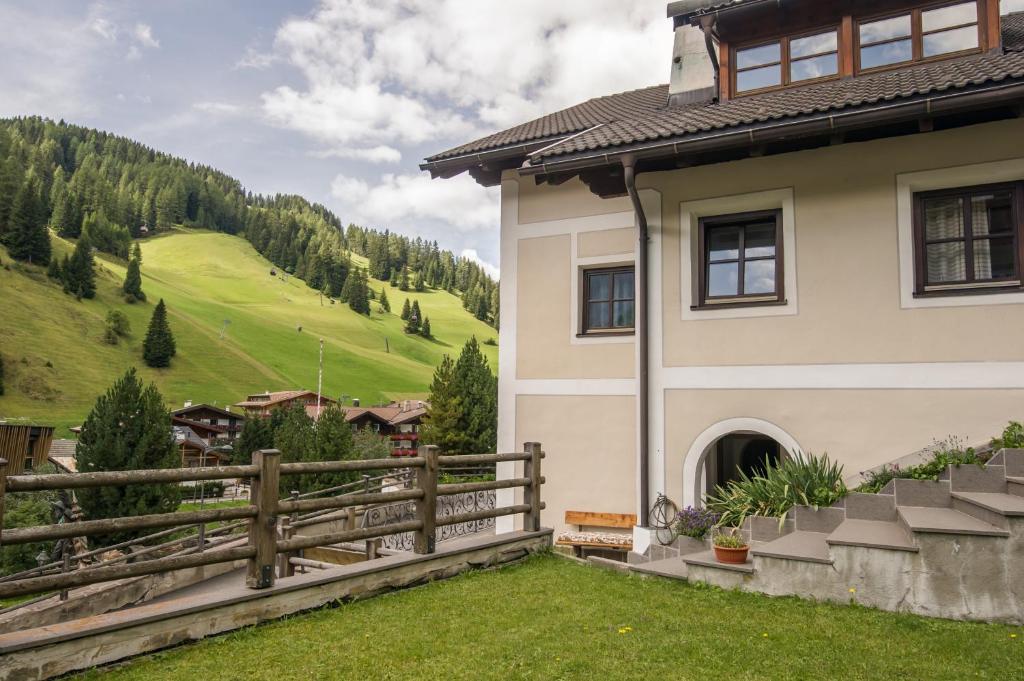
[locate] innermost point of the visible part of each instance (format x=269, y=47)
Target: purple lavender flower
x=694, y=522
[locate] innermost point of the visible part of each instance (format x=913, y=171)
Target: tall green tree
x=133, y=276
x=385, y=304
x=129, y=428
x=159, y=346
x=478, y=386
x=27, y=237
x=440, y=427
x=406, y=310
x=412, y=324
x=425, y=328
x=80, y=270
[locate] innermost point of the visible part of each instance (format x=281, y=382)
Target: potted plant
x=730, y=546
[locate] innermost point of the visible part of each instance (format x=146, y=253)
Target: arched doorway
x=728, y=447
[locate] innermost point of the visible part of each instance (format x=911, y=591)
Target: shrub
x=729, y=540
x=804, y=480
x=947, y=452
x=694, y=522
x=1012, y=437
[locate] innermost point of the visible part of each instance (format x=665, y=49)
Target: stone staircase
x=950, y=548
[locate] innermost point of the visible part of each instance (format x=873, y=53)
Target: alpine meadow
x=250, y=283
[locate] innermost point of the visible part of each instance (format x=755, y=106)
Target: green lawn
x=548, y=618
x=207, y=278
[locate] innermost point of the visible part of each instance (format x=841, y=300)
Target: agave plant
x=803, y=480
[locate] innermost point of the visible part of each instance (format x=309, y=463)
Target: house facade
x=209, y=422
x=810, y=240
x=263, y=404
x=399, y=422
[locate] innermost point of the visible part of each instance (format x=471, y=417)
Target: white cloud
x=379, y=154
x=143, y=34
x=415, y=71
x=221, y=108
x=408, y=199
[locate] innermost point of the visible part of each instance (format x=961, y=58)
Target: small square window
x=969, y=240
x=609, y=300
x=741, y=259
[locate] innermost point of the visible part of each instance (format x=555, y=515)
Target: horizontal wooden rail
x=299, y=543
x=484, y=486
x=471, y=459
x=347, y=500
x=473, y=516
x=307, y=467
x=36, y=483
x=106, y=574
x=88, y=528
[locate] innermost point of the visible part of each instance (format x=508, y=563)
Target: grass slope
x=206, y=278
x=548, y=618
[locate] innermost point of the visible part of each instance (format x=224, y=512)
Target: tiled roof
x=690, y=7
x=643, y=116
x=568, y=121
x=678, y=122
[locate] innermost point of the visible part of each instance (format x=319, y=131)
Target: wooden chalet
x=265, y=403
x=400, y=422
x=24, y=446
x=209, y=423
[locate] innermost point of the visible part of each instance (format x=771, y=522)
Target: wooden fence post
x=426, y=508
x=263, y=528
x=3, y=488
x=531, y=471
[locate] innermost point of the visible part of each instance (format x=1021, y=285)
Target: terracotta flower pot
x=731, y=556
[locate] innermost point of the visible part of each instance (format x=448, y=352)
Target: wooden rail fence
x=264, y=511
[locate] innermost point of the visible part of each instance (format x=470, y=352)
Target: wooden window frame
x=971, y=285
x=917, y=35
x=585, y=327
x=786, y=60
x=703, y=300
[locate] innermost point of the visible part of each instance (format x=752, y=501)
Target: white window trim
x=690, y=213
x=576, y=268
x=909, y=184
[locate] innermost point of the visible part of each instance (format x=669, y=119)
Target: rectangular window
x=787, y=61
x=609, y=300
x=918, y=35
x=969, y=239
x=741, y=259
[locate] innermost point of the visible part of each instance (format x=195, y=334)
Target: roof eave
x=761, y=133
x=454, y=165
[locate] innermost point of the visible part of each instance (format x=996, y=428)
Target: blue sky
x=336, y=100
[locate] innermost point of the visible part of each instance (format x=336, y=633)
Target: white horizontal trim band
x=906, y=376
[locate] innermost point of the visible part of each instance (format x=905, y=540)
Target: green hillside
x=205, y=279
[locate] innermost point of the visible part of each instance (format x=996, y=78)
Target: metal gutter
x=499, y=153
x=642, y=338
x=759, y=133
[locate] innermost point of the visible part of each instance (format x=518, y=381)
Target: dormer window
x=919, y=35
x=789, y=60
x=855, y=45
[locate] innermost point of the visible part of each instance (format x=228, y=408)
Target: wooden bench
x=582, y=540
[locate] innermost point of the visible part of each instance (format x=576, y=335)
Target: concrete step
x=707, y=559
x=870, y=507
x=946, y=521
x=809, y=547
x=920, y=493
x=1015, y=486
x=873, y=534
x=1013, y=460
x=996, y=502
x=973, y=478
x=808, y=519
x=672, y=568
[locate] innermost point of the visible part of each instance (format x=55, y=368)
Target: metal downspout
x=642, y=333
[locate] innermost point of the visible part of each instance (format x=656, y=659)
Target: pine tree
x=419, y=283
x=412, y=325
x=257, y=433
x=133, y=277
x=358, y=297
x=478, y=387
x=11, y=179
x=53, y=271
x=80, y=272
x=384, y=303
x=159, y=347
x=425, y=329
x=128, y=429
x=27, y=237
x=403, y=280
x=441, y=422
x=406, y=310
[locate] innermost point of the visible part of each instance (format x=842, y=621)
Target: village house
x=263, y=404
x=210, y=423
x=399, y=422
x=24, y=446
x=810, y=240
